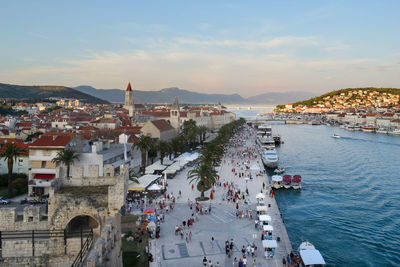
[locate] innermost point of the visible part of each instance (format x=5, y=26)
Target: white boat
x=336, y=136
x=369, y=129
x=309, y=255
x=279, y=170
x=270, y=158
x=287, y=181
x=267, y=143
x=394, y=132
x=382, y=130
x=296, y=182
x=276, y=181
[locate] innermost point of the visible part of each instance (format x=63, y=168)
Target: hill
x=361, y=96
x=10, y=91
x=167, y=95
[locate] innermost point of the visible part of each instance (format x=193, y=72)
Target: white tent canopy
x=170, y=171
x=156, y=166
x=268, y=228
x=154, y=187
x=269, y=244
x=144, y=182
x=254, y=167
x=311, y=257
x=265, y=218
x=261, y=208
x=260, y=196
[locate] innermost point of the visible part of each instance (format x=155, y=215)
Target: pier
x=222, y=223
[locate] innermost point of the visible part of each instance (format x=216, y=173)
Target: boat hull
x=296, y=186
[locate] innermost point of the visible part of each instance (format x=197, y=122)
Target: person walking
x=212, y=242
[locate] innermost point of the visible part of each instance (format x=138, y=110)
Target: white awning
x=268, y=228
x=154, y=187
x=254, y=167
x=311, y=257
x=265, y=218
x=260, y=196
x=269, y=244
x=261, y=208
x=144, y=182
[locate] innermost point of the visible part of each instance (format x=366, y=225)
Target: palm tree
x=10, y=153
x=163, y=147
x=67, y=157
x=202, y=130
x=205, y=176
x=144, y=144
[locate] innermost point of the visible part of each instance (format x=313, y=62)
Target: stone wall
x=106, y=250
x=31, y=219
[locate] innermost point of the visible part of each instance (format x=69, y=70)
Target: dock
x=222, y=223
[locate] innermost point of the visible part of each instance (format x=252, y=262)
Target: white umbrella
x=270, y=244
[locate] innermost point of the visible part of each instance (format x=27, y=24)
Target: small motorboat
x=287, y=181
x=276, y=181
x=336, y=136
x=309, y=255
x=296, y=181
x=279, y=170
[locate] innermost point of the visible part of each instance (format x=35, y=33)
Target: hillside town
x=360, y=108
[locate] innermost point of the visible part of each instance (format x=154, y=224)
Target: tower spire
x=129, y=88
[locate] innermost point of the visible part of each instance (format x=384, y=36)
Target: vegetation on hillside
x=315, y=100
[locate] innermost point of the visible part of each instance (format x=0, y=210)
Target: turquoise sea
x=349, y=206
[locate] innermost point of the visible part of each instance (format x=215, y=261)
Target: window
x=43, y=164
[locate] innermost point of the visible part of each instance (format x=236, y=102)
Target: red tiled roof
x=157, y=114
x=162, y=125
x=56, y=140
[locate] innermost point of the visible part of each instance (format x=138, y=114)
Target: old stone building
x=82, y=225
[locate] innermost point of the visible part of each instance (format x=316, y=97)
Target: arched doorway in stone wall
x=82, y=224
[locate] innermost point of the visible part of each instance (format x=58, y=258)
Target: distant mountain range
x=10, y=91
x=184, y=96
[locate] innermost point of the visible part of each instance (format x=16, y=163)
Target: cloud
x=275, y=42
x=170, y=63
x=337, y=47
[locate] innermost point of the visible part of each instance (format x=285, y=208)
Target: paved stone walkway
x=222, y=224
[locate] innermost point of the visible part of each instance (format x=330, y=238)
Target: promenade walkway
x=222, y=223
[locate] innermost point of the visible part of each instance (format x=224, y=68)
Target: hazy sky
x=245, y=47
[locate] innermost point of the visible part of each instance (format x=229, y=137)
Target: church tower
x=174, y=116
x=129, y=105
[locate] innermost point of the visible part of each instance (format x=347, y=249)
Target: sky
x=245, y=47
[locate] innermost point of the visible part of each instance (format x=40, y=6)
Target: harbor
x=345, y=193
x=228, y=220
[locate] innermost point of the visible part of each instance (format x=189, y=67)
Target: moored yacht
x=270, y=158
x=394, y=132
x=369, y=128
x=382, y=130
x=279, y=170
x=309, y=255
x=266, y=142
x=276, y=181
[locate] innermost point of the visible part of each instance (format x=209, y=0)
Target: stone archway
x=82, y=223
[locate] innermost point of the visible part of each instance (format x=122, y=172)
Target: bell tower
x=129, y=105
x=175, y=117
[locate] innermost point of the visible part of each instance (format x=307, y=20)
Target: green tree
x=67, y=157
x=205, y=176
x=202, y=130
x=20, y=184
x=164, y=148
x=143, y=144
x=10, y=153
